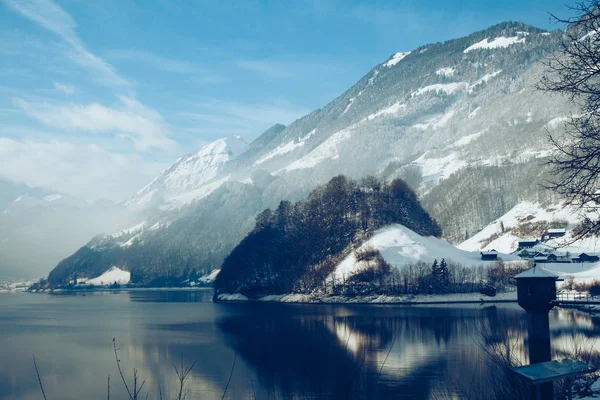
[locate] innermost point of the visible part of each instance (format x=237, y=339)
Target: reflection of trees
x=338, y=352
x=341, y=356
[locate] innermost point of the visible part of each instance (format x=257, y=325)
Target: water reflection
x=283, y=351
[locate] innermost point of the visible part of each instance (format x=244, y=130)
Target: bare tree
x=574, y=71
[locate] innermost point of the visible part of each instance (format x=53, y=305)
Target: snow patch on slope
x=396, y=58
x=499, y=42
x=394, y=109
x=446, y=71
x=328, y=150
x=436, y=122
x=439, y=168
x=448, y=88
x=114, y=274
x=53, y=197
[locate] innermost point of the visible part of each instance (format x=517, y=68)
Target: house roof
x=529, y=240
x=536, y=272
x=557, y=230
x=489, y=253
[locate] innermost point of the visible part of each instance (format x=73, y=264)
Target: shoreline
x=450, y=298
x=104, y=290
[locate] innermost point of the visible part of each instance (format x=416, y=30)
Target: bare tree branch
x=39, y=379
x=230, y=375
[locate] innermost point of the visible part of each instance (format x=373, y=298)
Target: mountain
x=191, y=177
x=461, y=121
x=38, y=227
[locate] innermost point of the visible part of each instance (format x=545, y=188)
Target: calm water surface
x=281, y=351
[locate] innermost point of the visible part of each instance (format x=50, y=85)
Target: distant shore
x=107, y=289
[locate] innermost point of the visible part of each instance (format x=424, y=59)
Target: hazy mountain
x=38, y=227
x=461, y=121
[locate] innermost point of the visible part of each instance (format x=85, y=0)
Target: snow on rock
x=114, y=274
x=448, y=88
x=473, y=113
x=394, y=109
x=231, y=297
x=400, y=246
x=499, y=42
x=197, y=194
x=435, y=122
x=396, y=58
x=128, y=231
x=53, y=197
x=485, y=79
x=280, y=150
x=446, y=71
x=328, y=150
x=348, y=106
x=188, y=175
x=209, y=278
x=556, y=123
x=438, y=168
x=465, y=140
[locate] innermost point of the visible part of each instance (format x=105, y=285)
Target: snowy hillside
x=460, y=121
x=191, y=177
x=112, y=275
x=502, y=234
x=400, y=246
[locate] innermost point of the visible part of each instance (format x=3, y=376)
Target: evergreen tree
x=440, y=275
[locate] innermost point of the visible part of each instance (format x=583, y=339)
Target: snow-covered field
x=400, y=246
x=114, y=274
x=521, y=213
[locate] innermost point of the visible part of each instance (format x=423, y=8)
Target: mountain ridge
x=437, y=112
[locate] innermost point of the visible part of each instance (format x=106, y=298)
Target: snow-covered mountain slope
x=460, y=121
x=400, y=246
x=191, y=177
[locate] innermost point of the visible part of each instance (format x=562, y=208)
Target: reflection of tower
x=536, y=289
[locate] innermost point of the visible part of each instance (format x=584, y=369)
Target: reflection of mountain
x=341, y=355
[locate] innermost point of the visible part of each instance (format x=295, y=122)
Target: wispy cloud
x=52, y=17
x=130, y=119
x=200, y=73
x=66, y=88
x=265, y=68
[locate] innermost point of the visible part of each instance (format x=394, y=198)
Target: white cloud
x=52, y=17
x=85, y=171
x=66, y=88
x=143, y=126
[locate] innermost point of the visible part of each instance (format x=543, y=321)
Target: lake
x=270, y=351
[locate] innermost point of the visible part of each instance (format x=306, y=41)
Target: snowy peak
x=189, y=174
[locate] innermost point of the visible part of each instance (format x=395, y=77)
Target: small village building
x=528, y=243
x=555, y=233
x=489, y=255
x=585, y=257
x=559, y=258
x=541, y=258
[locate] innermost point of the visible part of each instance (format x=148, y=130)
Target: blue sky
x=96, y=97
